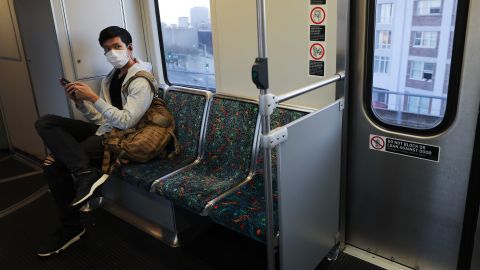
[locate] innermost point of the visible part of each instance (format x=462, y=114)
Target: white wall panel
x=235, y=48
x=85, y=19
x=133, y=18
x=18, y=101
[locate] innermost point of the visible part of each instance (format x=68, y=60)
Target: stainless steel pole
x=261, y=29
x=267, y=153
x=329, y=80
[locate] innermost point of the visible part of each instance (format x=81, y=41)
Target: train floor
x=28, y=216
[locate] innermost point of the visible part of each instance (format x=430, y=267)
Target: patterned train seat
x=244, y=210
x=227, y=162
x=188, y=110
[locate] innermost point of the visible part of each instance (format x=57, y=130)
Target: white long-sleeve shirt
x=135, y=101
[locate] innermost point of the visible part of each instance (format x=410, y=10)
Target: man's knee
x=46, y=121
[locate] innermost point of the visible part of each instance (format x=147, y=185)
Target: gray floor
x=113, y=244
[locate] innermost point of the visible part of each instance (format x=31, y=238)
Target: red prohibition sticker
x=318, y=15
x=377, y=142
x=317, y=51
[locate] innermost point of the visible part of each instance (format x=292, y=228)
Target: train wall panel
x=235, y=48
x=16, y=95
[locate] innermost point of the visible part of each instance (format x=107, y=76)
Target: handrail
x=295, y=93
x=408, y=94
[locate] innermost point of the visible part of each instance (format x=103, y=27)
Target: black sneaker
x=61, y=240
x=87, y=182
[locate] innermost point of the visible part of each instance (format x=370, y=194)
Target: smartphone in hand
x=64, y=81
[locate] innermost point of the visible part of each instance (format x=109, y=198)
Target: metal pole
x=262, y=29
x=329, y=80
x=267, y=152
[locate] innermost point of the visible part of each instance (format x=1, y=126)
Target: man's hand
x=71, y=95
x=81, y=91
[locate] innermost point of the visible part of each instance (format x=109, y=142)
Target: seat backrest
x=161, y=93
x=188, y=110
x=280, y=117
x=230, y=133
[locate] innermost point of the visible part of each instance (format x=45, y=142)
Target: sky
x=170, y=10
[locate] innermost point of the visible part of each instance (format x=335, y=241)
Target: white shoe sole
x=95, y=185
x=73, y=240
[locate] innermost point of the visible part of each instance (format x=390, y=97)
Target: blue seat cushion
x=244, y=210
x=228, y=150
x=143, y=175
x=198, y=185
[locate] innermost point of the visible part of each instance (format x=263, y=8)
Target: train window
x=385, y=13
x=411, y=61
x=383, y=39
x=186, y=37
x=429, y=7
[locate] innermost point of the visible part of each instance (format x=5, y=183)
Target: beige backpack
x=147, y=140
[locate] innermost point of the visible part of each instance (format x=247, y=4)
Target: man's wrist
x=94, y=98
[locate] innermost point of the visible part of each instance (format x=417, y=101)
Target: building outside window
x=429, y=7
x=411, y=46
x=425, y=39
x=384, y=39
x=421, y=70
x=187, y=42
x=380, y=98
x=385, y=13
x=382, y=64
x=419, y=105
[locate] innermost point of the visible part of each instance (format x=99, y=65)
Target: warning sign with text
x=317, y=45
x=405, y=148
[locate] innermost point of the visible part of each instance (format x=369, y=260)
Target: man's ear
x=130, y=47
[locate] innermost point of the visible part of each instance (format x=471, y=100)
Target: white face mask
x=118, y=58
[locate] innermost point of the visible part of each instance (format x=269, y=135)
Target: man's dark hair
x=114, y=31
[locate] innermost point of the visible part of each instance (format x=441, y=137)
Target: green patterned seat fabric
x=188, y=110
x=244, y=210
x=228, y=150
x=280, y=117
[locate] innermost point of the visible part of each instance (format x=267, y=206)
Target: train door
x=42, y=55
x=412, y=120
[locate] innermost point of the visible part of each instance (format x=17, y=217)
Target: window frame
x=422, y=70
x=384, y=61
x=429, y=8
x=454, y=77
x=164, y=62
x=381, y=45
x=413, y=67
x=378, y=17
x=423, y=38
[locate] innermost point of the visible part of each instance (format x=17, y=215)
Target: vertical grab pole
x=260, y=78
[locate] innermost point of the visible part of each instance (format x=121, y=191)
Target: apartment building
x=412, y=59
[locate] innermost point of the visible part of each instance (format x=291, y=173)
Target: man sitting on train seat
x=76, y=146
